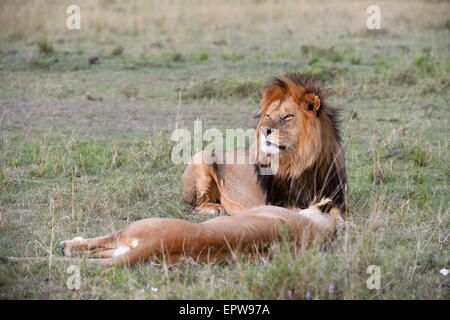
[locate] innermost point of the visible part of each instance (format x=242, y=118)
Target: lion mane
x=317, y=168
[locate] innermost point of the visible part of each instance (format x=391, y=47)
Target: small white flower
x=154, y=289
x=444, y=271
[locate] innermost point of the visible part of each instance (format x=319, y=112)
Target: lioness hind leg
x=79, y=245
x=107, y=253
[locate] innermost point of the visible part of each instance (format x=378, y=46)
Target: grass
x=130, y=91
x=315, y=52
x=85, y=148
x=224, y=89
x=45, y=46
x=117, y=51
x=419, y=156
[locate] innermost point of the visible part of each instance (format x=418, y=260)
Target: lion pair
x=297, y=140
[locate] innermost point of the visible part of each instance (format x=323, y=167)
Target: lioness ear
x=313, y=102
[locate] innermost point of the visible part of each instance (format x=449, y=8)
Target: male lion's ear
x=312, y=102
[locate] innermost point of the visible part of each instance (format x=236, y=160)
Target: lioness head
x=297, y=126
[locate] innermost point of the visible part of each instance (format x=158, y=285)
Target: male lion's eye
x=287, y=117
x=267, y=116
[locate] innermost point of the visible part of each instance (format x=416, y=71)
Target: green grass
x=85, y=148
x=45, y=46
x=117, y=51
x=326, y=53
x=224, y=89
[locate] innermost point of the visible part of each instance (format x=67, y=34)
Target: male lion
x=299, y=131
x=298, y=128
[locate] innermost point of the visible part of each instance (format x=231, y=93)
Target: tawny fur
x=215, y=240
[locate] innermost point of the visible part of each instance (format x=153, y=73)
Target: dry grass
x=179, y=22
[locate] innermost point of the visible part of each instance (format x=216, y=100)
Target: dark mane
x=305, y=190
x=325, y=179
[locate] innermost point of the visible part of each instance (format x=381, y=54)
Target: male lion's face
x=284, y=127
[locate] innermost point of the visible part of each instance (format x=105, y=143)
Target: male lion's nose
x=266, y=131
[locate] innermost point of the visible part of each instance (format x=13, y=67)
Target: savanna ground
x=86, y=117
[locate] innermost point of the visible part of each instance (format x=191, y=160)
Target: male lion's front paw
x=214, y=209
